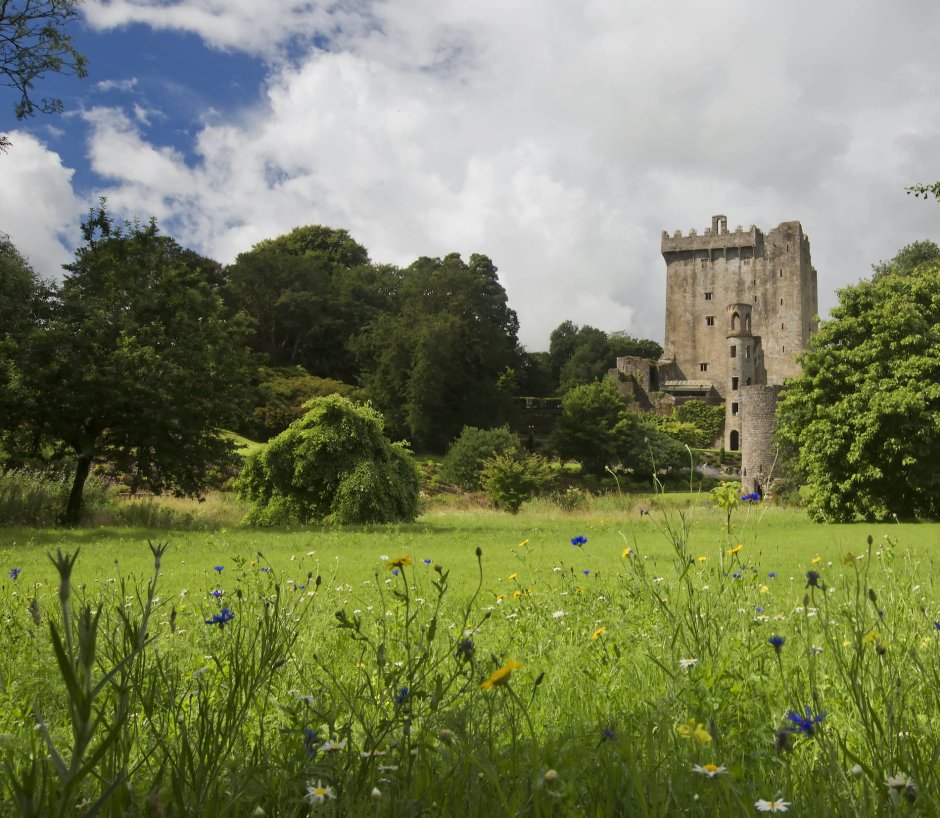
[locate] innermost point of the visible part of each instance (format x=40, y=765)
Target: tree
x=438, y=363
x=864, y=415
x=137, y=364
x=334, y=465
x=509, y=480
x=463, y=464
x=33, y=43
x=908, y=259
x=591, y=426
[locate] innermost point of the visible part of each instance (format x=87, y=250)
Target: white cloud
x=558, y=138
x=116, y=85
x=38, y=209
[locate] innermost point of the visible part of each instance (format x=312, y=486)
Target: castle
x=740, y=308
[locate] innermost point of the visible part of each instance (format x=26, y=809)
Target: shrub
x=333, y=465
x=37, y=498
x=463, y=464
x=571, y=499
x=510, y=481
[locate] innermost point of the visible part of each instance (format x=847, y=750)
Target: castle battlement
x=716, y=237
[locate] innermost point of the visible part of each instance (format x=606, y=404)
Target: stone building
x=740, y=307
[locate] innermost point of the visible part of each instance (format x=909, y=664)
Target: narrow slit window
x=710, y=320
x=734, y=384
x=734, y=409
x=703, y=367
x=734, y=352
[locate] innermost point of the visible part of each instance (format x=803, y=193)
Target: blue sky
x=559, y=138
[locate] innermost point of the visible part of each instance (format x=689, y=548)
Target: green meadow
x=476, y=663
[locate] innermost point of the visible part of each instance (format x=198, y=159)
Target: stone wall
x=758, y=408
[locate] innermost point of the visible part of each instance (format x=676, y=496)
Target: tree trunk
x=74, y=509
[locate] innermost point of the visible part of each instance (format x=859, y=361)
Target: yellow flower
x=598, y=632
x=516, y=594
x=702, y=558
x=849, y=558
x=816, y=560
x=764, y=589
x=735, y=550
x=696, y=730
x=501, y=676
x=399, y=562
x=871, y=637
x=512, y=576
x=524, y=542
x=627, y=552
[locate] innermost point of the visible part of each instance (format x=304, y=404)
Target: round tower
x=758, y=419
x=742, y=353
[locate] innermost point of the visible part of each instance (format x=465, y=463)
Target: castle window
x=734, y=351
x=709, y=320
x=734, y=440
x=734, y=384
x=781, y=272
x=734, y=322
x=747, y=350
x=748, y=382
x=781, y=326
x=755, y=299
x=703, y=367
x=734, y=409
x=708, y=296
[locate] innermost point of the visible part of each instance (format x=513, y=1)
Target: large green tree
x=137, y=364
x=443, y=359
x=33, y=43
x=864, y=416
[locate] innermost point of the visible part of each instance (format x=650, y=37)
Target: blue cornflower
x=750, y=498
x=777, y=642
x=586, y=571
x=772, y=575
x=608, y=734
x=936, y=626
x=14, y=573
x=736, y=575
x=401, y=697
x=759, y=609
x=812, y=579
x=465, y=650
x=225, y=615
x=427, y=562
x=312, y=741
x=217, y=593
x=395, y=572
x=264, y=569
x=805, y=725
x=219, y=569
x=579, y=541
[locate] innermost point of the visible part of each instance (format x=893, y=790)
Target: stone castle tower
x=740, y=307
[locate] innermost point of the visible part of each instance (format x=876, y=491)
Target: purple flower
x=225, y=615
x=579, y=541
x=14, y=573
x=586, y=571
x=219, y=569
x=805, y=725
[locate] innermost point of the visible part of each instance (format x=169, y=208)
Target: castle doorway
x=735, y=440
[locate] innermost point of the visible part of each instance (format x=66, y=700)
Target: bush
x=334, y=465
x=510, y=481
x=463, y=464
x=37, y=498
x=571, y=499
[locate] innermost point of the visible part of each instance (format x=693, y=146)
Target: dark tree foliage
x=33, y=43
x=864, y=416
x=333, y=465
x=138, y=365
x=440, y=361
x=534, y=374
x=307, y=293
x=580, y=355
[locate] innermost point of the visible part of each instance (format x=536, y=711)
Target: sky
x=558, y=137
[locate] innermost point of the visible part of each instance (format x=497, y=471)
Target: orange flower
x=501, y=676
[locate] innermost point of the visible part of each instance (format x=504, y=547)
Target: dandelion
x=871, y=638
x=399, y=562
x=627, y=552
x=816, y=560
x=702, y=558
x=221, y=619
x=579, y=541
x=805, y=724
x=500, y=677
x=694, y=730
x=685, y=664
x=777, y=642
x=598, y=632
x=219, y=569
x=317, y=795
x=512, y=576
x=14, y=573
x=710, y=770
x=523, y=544
x=736, y=550
x=778, y=805
x=764, y=589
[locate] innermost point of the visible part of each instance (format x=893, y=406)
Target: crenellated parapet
x=716, y=237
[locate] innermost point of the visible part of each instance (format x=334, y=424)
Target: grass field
x=663, y=667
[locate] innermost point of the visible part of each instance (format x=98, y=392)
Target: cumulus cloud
x=116, y=85
x=558, y=138
x=38, y=209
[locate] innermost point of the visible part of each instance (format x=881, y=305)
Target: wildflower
x=754, y=497
x=777, y=642
x=598, y=632
x=402, y=696
x=736, y=550
x=217, y=593
x=14, y=573
x=221, y=618
x=804, y=724
x=500, y=677
x=772, y=575
x=771, y=806
x=219, y=569
x=447, y=736
x=782, y=742
x=512, y=576
x=627, y=552
x=586, y=571
x=317, y=795
x=399, y=562
x=812, y=579
x=764, y=589
x=396, y=571
x=311, y=740
x=264, y=569
x=685, y=664
x=736, y=575
x=374, y=753
x=332, y=746
x=550, y=776
x=871, y=638
x=936, y=626
x=702, y=558
x=711, y=770
x=579, y=541
x=849, y=558
x=899, y=782
x=857, y=770
x=693, y=729
x=816, y=560
x=523, y=544
x=427, y=562
x=376, y=793
x=608, y=734
x=815, y=650
x=557, y=614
